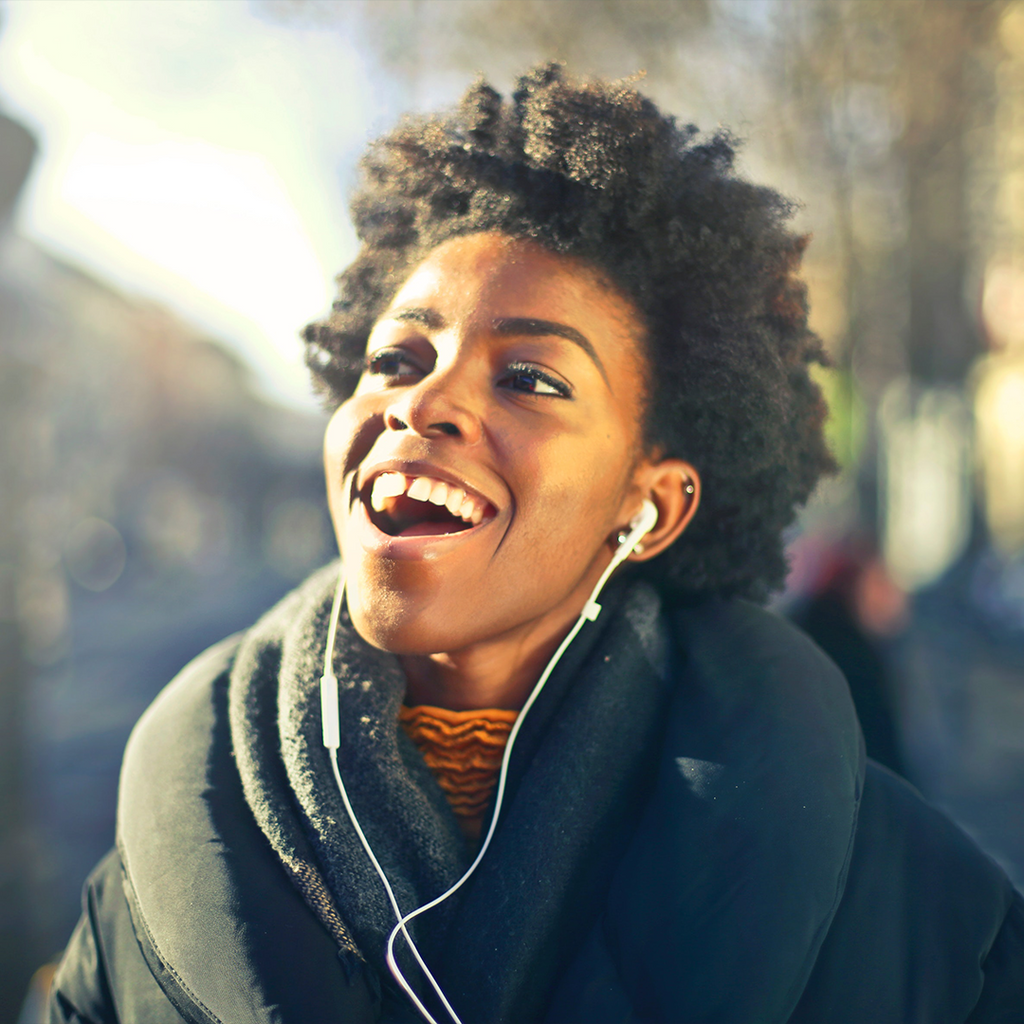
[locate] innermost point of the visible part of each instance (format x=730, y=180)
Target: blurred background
x=173, y=181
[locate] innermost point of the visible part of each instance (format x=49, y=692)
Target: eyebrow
x=512, y=325
x=530, y=327
x=417, y=315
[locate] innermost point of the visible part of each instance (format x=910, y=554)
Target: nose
x=441, y=404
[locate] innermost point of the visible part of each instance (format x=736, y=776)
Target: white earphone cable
x=642, y=524
x=331, y=725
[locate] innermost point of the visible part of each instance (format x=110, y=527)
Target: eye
x=393, y=363
x=532, y=380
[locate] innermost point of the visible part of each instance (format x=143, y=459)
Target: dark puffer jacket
x=691, y=835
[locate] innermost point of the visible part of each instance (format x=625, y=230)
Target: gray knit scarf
x=577, y=777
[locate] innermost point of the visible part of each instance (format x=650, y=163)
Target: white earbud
x=639, y=526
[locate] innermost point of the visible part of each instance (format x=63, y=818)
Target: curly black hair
x=594, y=170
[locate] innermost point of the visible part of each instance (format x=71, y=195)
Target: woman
x=572, y=342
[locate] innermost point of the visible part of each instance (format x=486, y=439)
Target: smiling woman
x=529, y=754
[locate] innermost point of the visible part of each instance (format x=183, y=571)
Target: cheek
x=336, y=443
x=338, y=436
x=574, y=492
x=349, y=436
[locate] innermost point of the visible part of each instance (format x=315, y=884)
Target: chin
x=394, y=621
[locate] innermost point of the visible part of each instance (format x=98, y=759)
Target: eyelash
x=376, y=365
x=533, y=373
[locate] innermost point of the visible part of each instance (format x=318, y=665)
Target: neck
x=496, y=673
x=499, y=672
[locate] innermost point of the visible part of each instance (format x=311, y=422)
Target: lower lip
x=408, y=548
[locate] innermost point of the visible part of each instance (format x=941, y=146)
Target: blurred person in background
x=851, y=608
x=461, y=781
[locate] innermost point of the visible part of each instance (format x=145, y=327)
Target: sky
x=199, y=152
x=194, y=153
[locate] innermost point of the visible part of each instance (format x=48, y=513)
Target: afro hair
x=595, y=171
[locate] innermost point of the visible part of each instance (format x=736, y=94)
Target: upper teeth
x=425, y=488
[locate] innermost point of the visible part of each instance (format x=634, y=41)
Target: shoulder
x=740, y=859
x=772, y=851
x=103, y=976
x=175, y=746
x=1002, y=997
x=746, y=652
x=107, y=972
x=170, y=752
x=185, y=707
x=921, y=914
x=180, y=702
x=768, y=700
x=206, y=895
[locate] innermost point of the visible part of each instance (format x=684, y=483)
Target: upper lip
x=417, y=467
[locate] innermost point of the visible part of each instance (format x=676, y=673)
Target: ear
x=674, y=487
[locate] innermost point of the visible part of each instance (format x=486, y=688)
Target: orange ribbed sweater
x=463, y=749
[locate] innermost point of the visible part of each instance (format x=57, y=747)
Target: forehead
x=491, y=276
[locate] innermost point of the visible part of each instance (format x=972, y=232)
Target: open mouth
x=417, y=506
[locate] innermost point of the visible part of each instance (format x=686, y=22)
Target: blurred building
x=151, y=505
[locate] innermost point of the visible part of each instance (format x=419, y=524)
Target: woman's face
x=477, y=476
